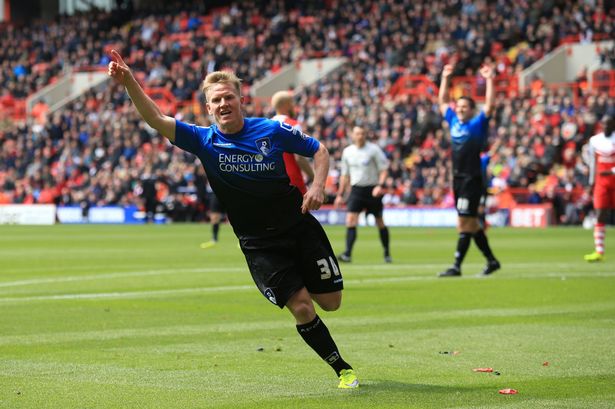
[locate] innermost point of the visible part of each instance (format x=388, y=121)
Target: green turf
x=141, y=317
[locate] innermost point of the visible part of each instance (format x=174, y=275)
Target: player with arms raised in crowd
x=468, y=135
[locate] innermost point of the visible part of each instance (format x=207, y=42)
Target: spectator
x=79, y=138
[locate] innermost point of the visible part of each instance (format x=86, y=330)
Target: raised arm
x=488, y=73
x=443, y=98
x=315, y=196
x=149, y=111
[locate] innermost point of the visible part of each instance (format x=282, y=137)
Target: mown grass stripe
x=367, y=269
x=355, y=282
x=338, y=322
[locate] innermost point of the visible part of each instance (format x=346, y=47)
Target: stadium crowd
x=96, y=151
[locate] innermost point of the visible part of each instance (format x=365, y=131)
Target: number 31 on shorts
x=326, y=266
x=463, y=204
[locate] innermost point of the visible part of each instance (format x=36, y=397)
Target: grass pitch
x=141, y=317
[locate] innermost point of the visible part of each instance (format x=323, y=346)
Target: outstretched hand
x=447, y=71
x=487, y=71
x=118, y=70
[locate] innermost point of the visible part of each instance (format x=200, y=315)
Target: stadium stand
x=95, y=150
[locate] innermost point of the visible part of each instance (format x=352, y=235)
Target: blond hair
x=220, y=77
x=281, y=100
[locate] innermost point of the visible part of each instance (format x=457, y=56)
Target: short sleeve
x=479, y=124
x=381, y=159
x=186, y=137
x=450, y=115
x=345, y=168
x=292, y=140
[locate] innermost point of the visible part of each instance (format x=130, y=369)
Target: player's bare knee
x=302, y=309
x=468, y=225
x=331, y=305
x=352, y=219
x=329, y=301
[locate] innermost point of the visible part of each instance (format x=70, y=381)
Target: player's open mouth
x=224, y=114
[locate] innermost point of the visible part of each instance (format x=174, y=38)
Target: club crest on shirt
x=264, y=145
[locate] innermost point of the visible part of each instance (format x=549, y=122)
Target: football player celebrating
x=287, y=251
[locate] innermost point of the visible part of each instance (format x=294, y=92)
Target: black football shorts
x=300, y=257
x=361, y=199
x=468, y=192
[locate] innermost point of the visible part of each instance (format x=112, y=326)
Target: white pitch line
x=66, y=279
x=129, y=294
x=351, y=282
x=371, y=267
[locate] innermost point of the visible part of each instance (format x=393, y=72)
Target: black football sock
x=351, y=236
x=480, y=238
x=463, y=243
x=384, y=239
x=317, y=336
x=215, y=228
